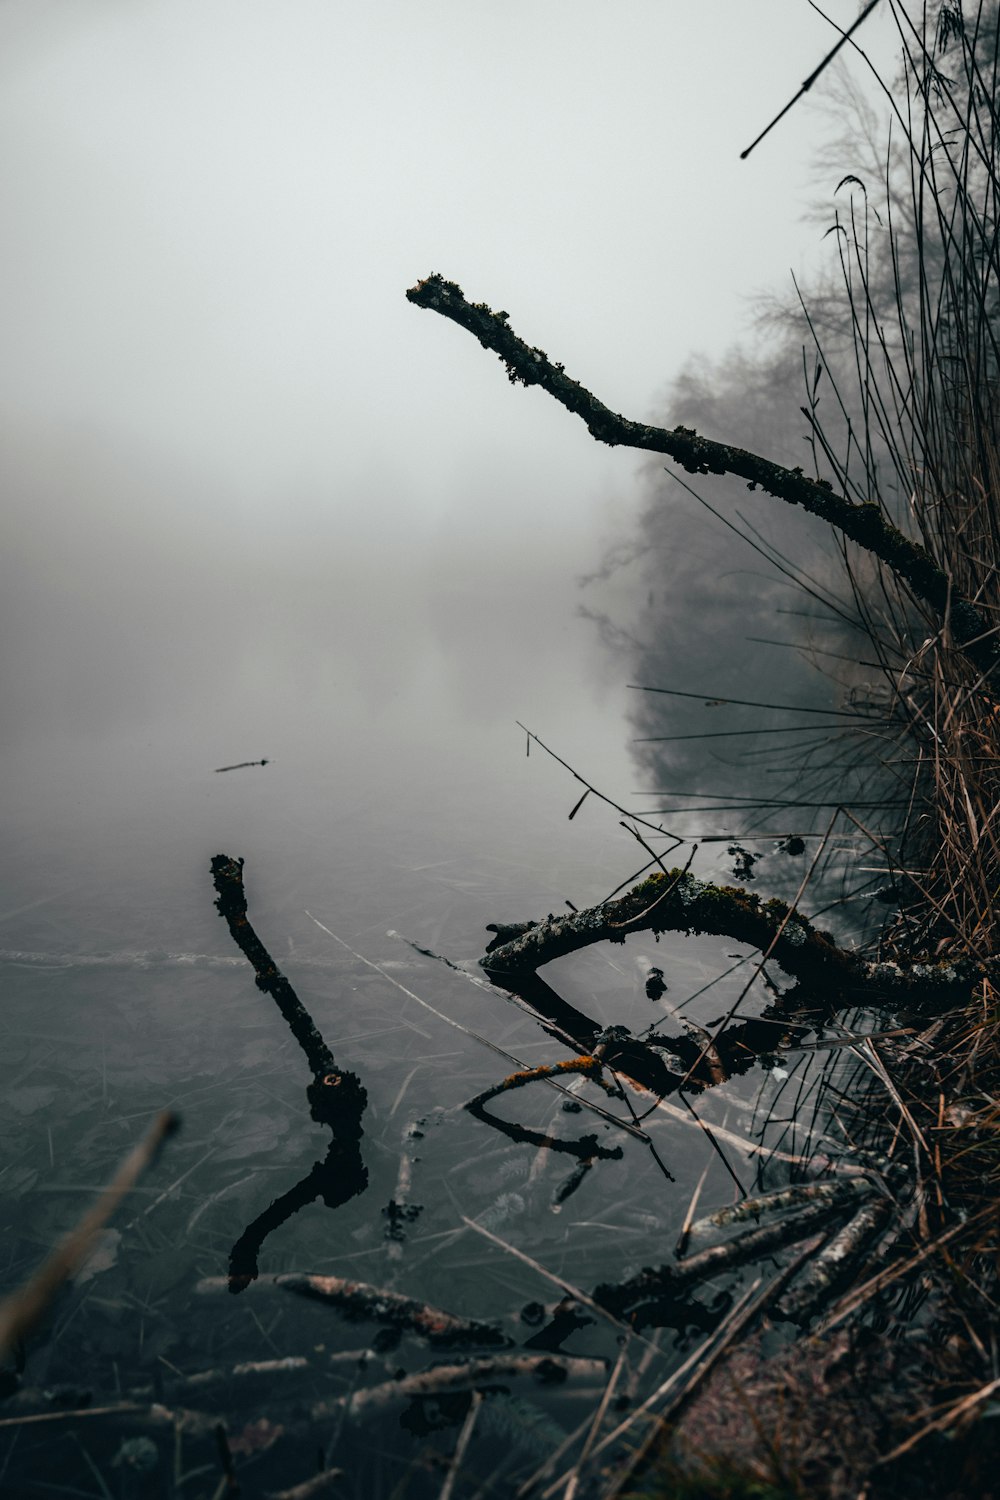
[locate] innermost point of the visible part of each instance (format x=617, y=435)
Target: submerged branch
x=628, y=1298
x=357, y=1301
x=487, y=1375
x=862, y=522
x=336, y=1097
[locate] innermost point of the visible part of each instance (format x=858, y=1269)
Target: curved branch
x=862, y=523
x=677, y=901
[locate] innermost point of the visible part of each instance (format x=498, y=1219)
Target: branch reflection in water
x=336, y=1098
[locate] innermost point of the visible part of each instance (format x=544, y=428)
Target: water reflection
x=336, y=1098
x=419, y=822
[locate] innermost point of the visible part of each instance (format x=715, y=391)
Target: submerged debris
x=357, y=1300
x=833, y=1191
x=655, y=984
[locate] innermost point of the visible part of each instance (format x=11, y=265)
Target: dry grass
x=910, y=378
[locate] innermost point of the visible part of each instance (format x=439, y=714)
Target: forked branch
x=863, y=523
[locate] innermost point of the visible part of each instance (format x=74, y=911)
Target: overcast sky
x=225, y=431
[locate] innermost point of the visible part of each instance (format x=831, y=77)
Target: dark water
x=123, y=995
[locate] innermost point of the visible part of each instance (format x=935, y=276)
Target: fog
x=256, y=504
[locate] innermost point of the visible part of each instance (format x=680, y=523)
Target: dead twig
x=781, y=1201
x=486, y=1374
x=22, y=1310
x=464, y=1438
x=954, y=1413
x=327, y=1479
x=834, y=1263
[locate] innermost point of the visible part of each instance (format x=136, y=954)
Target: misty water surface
x=398, y=803
x=257, y=506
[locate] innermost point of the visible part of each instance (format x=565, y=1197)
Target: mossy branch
x=677, y=901
x=863, y=523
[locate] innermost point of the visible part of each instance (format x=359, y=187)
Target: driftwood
x=785, y=1199
x=651, y=1284
x=477, y=1375
x=359, y=1302
x=833, y=1265
x=674, y=900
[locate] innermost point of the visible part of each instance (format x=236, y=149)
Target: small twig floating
x=587, y=1148
x=589, y=1067
x=399, y=1211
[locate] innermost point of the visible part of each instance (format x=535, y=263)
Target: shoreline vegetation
x=907, y=473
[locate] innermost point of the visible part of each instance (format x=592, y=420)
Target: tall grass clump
x=919, y=434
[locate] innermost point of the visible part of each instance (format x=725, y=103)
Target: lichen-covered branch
x=829, y=1190
x=677, y=901
x=835, y=1262
x=646, y=1286
x=864, y=523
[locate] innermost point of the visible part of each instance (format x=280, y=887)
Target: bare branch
x=677, y=901
x=863, y=523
